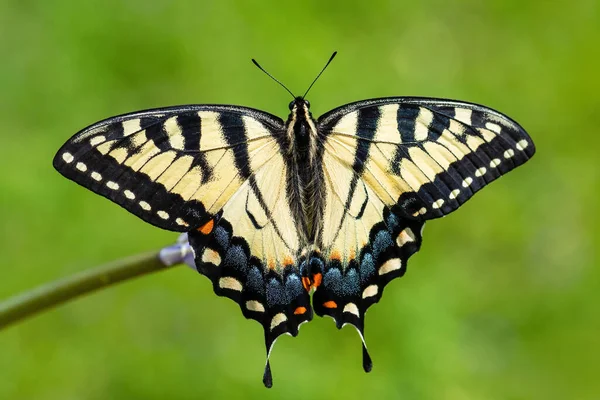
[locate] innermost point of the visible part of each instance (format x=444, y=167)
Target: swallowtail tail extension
x=278, y=210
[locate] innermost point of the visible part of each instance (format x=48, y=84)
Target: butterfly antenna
x=272, y=77
x=313, y=82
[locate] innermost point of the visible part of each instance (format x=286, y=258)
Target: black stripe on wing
x=151, y=162
x=503, y=146
x=367, y=123
x=456, y=148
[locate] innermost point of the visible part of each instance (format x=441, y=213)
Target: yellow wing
x=172, y=167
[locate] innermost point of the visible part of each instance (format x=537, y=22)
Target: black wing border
x=169, y=111
x=332, y=116
x=194, y=211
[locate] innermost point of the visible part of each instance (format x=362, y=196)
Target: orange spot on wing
x=287, y=261
x=317, y=278
x=312, y=283
x=352, y=254
x=207, y=227
x=335, y=255
x=330, y=304
x=300, y=310
x=306, y=283
x=271, y=264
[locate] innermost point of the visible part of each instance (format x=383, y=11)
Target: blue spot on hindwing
x=351, y=284
x=367, y=268
x=236, y=258
x=221, y=237
x=333, y=281
x=342, y=285
x=293, y=286
x=392, y=221
x=383, y=241
x=275, y=293
x=255, y=281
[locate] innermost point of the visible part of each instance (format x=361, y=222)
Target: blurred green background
x=502, y=300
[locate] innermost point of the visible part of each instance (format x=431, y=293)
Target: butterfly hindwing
x=351, y=285
x=271, y=295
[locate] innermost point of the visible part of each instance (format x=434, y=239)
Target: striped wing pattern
x=427, y=156
x=213, y=171
x=391, y=164
x=172, y=167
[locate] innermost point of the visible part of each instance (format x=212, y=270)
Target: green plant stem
x=46, y=296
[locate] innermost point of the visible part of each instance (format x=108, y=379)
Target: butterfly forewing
x=427, y=156
x=172, y=167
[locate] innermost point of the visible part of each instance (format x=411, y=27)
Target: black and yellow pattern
x=278, y=210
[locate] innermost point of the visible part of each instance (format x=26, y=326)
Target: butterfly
x=277, y=211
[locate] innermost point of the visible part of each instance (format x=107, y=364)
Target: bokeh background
x=502, y=300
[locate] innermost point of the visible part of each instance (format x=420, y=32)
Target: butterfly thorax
x=305, y=173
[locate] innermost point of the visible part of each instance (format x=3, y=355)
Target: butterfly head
x=298, y=104
x=301, y=128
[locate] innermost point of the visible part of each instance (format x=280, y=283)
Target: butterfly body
x=278, y=210
x=305, y=170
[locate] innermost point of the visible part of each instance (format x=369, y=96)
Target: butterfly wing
x=172, y=167
x=216, y=172
x=391, y=164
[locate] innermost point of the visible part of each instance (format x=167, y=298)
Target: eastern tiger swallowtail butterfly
x=278, y=210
